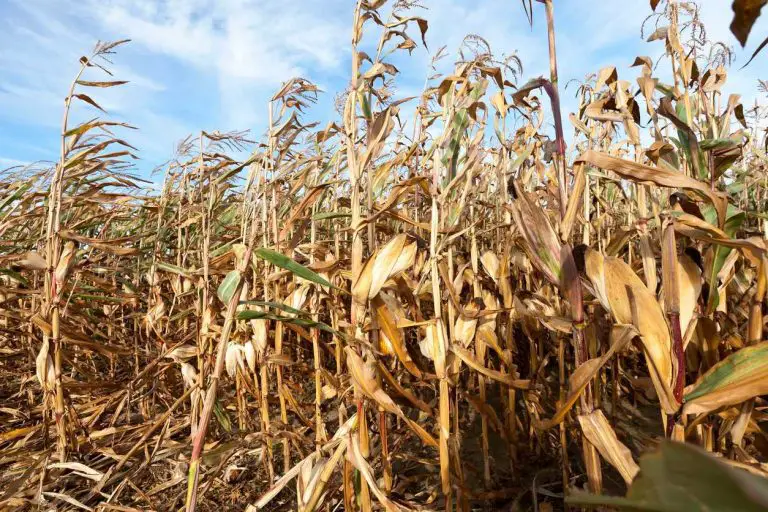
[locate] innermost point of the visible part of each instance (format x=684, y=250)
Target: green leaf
x=736, y=187
x=734, y=218
x=228, y=286
x=365, y=105
x=15, y=276
x=666, y=90
x=227, y=217
x=222, y=417
x=301, y=322
x=222, y=248
x=740, y=376
x=688, y=142
x=331, y=215
x=102, y=298
x=286, y=263
x=522, y=157
x=173, y=269
x=709, y=144
x=15, y=196
x=682, y=478
x=277, y=305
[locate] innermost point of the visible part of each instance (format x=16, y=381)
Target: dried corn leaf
x=689, y=289
x=598, y=430
x=655, y=176
x=364, y=375
x=387, y=322
x=384, y=263
x=621, y=335
x=542, y=244
x=509, y=380
x=622, y=293
x=739, y=377
x=356, y=458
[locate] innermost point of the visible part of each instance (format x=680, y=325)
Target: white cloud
x=226, y=56
x=249, y=46
x=38, y=73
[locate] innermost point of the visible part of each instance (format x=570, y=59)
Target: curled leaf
x=598, y=430
x=622, y=293
x=656, y=176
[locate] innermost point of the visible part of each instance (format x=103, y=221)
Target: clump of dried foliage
x=455, y=313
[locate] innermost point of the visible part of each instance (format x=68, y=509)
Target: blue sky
x=213, y=64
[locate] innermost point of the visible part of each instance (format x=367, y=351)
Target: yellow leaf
x=600, y=433
x=627, y=298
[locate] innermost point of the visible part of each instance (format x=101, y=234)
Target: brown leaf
x=32, y=261
x=89, y=100
x=575, y=201
x=622, y=293
x=656, y=176
x=697, y=229
x=621, y=336
x=388, y=261
x=541, y=241
x=606, y=76
x=468, y=359
x=112, y=83
x=598, y=430
x=385, y=263
x=355, y=456
x=385, y=307
x=364, y=375
x=109, y=246
x=745, y=13
x=306, y=202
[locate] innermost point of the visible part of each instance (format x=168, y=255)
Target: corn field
x=425, y=304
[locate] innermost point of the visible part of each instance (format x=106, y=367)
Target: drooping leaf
x=394, y=257
x=683, y=478
x=740, y=376
x=621, y=336
x=598, y=430
x=757, y=51
x=657, y=176
x=174, y=269
x=286, y=263
x=542, y=244
x=300, y=322
x=383, y=305
x=626, y=297
x=89, y=100
x=745, y=13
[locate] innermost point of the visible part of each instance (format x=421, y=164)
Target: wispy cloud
x=248, y=47
x=197, y=64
